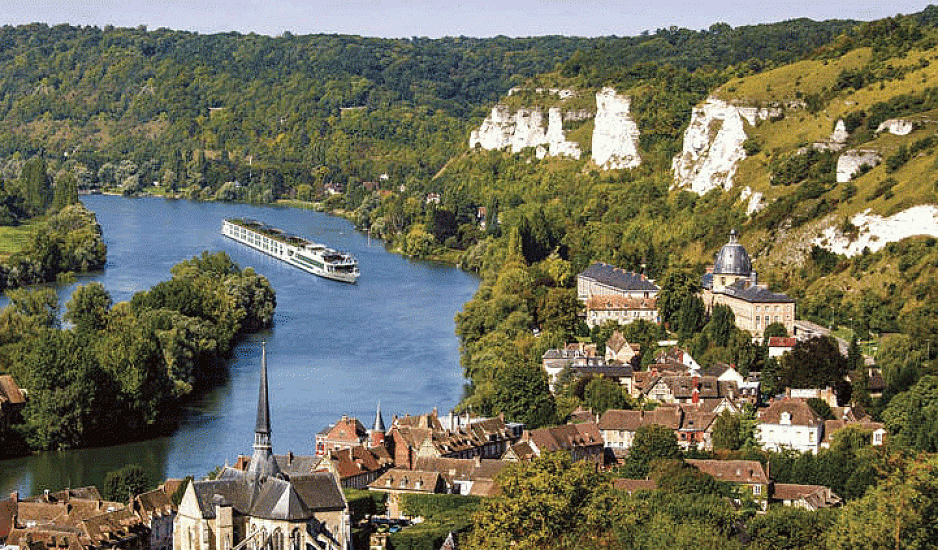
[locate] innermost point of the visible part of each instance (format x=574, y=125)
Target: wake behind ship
x=311, y=257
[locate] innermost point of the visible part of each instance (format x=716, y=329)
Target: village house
x=357, y=466
x=466, y=476
x=779, y=345
x=602, y=279
x=412, y=437
x=808, y=497
x=582, y=441
x=877, y=430
x=158, y=512
x=790, y=424
x=347, y=432
x=692, y=426
x=403, y=481
x=264, y=506
x=73, y=519
x=732, y=282
x=746, y=473
x=618, y=350
x=12, y=399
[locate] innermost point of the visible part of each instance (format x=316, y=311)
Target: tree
x=821, y=407
x=814, y=363
x=900, y=513
x=36, y=186
x=721, y=326
x=124, y=484
x=559, y=310
x=912, y=416
x=522, y=393
x=691, y=317
x=675, y=287
x=651, y=442
x=775, y=330
x=88, y=307
x=726, y=431
x=542, y=502
x=602, y=394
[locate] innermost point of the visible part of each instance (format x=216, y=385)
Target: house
x=472, y=476
x=779, y=346
x=620, y=309
x=347, y=432
x=877, y=430
x=263, y=506
x=357, y=466
x=73, y=519
x=411, y=437
x=749, y=474
x=732, y=282
x=158, y=512
x=693, y=427
x=602, y=279
x=400, y=481
x=790, y=424
x=334, y=188
x=690, y=389
x=618, y=350
x=583, y=441
x=617, y=427
x=809, y=497
x=12, y=399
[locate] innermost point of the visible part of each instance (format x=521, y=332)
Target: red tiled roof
x=781, y=342
x=735, y=471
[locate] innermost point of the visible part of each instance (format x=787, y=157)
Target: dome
x=733, y=258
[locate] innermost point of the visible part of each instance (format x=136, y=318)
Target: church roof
x=733, y=259
x=292, y=498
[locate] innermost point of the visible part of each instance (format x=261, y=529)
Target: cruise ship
x=314, y=258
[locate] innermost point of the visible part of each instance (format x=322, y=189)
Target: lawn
x=14, y=239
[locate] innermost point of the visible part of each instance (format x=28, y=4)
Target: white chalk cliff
x=897, y=127
x=754, y=198
x=876, y=231
x=850, y=163
x=713, y=145
x=615, y=134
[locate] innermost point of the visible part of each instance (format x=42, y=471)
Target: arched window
x=296, y=540
x=278, y=539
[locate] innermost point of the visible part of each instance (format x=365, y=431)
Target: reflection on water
x=335, y=348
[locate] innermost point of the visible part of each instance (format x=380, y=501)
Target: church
x=732, y=282
x=265, y=507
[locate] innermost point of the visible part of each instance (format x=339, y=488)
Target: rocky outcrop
x=713, y=145
x=840, y=134
x=850, y=163
x=875, y=232
x=615, y=134
x=754, y=198
x=522, y=129
x=897, y=127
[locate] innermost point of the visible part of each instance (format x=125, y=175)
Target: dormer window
x=785, y=418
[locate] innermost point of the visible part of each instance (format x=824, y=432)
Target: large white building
x=790, y=424
x=264, y=507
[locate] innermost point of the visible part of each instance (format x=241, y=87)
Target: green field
x=14, y=239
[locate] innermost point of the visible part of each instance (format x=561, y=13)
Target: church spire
x=263, y=462
x=379, y=421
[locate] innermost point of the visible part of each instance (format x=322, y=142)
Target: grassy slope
x=14, y=239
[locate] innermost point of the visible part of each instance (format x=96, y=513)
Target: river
x=334, y=349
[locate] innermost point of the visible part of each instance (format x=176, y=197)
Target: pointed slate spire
x=263, y=408
x=379, y=421
x=263, y=463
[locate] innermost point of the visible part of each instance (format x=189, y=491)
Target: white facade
x=787, y=435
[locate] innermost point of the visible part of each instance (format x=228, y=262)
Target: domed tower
x=732, y=264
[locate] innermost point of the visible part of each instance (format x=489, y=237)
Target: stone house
x=347, y=432
x=400, y=481
x=357, y=466
x=158, y=512
x=618, y=350
x=617, y=427
x=809, y=497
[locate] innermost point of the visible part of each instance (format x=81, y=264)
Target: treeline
x=116, y=371
x=553, y=502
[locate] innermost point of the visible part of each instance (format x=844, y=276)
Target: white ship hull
x=310, y=257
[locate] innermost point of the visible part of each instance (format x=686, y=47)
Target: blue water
x=334, y=349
